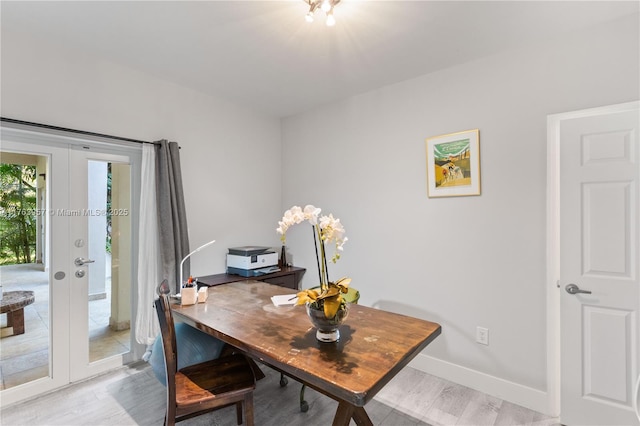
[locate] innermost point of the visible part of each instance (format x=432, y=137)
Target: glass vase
x=327, y=329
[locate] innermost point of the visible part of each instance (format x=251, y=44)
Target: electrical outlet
x=482, y=335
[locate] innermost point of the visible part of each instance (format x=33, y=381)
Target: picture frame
x=453, y=164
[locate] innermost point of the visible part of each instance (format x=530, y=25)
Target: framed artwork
x=453, y=164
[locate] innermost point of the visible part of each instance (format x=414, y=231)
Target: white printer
x=251, y=261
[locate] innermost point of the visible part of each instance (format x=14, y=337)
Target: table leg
x=15, y=319
x=343, y=414
x=346, y=411
x=361, y=417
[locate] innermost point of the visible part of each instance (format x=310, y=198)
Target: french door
x=80, y=324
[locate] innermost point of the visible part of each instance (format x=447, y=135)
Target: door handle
x=574, y=289
x=80, y=261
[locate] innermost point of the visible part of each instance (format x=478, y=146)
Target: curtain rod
x=64, y=129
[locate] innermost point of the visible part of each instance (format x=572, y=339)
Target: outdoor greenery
x=17, y=213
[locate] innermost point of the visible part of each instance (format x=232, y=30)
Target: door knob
x=574, y=289
x=81, y=261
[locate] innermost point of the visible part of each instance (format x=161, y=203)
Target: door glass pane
x=109, y=236
x=24, y=276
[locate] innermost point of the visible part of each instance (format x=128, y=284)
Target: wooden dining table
x=374, y=345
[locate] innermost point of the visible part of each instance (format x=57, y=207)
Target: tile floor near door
x=25, y=357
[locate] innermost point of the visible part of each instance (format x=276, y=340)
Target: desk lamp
x=187, y=256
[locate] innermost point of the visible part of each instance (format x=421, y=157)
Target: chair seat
x=195, y=384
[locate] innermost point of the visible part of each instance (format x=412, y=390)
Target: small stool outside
x=12, y=304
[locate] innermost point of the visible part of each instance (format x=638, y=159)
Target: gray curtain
x=172, y=218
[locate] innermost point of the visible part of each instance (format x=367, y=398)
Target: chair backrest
x=164, y=288
x=170, y=348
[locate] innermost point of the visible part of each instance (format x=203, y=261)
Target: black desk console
x=288, y=277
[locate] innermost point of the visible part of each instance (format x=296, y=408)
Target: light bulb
x=331, y=20
x=309, y=17
x=326, y=6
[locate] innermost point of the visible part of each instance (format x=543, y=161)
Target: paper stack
x=284, y=299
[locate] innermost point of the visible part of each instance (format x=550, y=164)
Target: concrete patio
x=25, y=357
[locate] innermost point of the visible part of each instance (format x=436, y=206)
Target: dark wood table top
x=374, y=344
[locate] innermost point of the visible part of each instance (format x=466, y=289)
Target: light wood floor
x=133, y=396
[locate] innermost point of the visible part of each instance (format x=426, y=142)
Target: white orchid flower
x=293, y=216
x=325, y=229
x=311, y=214
x=329, y=228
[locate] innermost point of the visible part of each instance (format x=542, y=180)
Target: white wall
x=466, y=261
x=462, y=262
x=230, y=155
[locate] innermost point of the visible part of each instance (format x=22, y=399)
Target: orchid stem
x=326, y=267
x=315, y=243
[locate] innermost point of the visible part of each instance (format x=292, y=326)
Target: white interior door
x=599, y=265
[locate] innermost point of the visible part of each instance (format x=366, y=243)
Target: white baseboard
x=515, y=393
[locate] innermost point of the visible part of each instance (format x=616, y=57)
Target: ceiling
x=262, y=54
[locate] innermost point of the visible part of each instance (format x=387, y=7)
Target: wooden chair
x=203, y=387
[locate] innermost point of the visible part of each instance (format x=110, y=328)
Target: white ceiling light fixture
x=327, y=6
